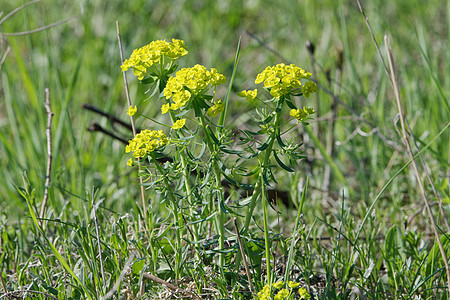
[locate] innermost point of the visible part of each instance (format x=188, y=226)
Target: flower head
x=282, y=294
x=131, y=110
x=302, y=114
x=143, y=58
x=179, y=124
x=249, y=94
x=308, y=88
x=282, y=79
x=303, y=293
x=146, y=141
x=278, y=284
x=216, y=109
x=293, y=284
x=188, y=83
x=130, y=162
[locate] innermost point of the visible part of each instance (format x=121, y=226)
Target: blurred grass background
x=79, y=62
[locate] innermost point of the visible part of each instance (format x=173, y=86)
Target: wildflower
x=216, y=109
x=264, y=294
x=282, y=294
x=131, y=110
x=308, y=88
x=282, y=79
x=190, y=83
x=145, y=142
x=302, y=114
x=143, y=58
x=293, y=284
x=249, y=95
x=278, y=284
x=303, y=293
x=130, y=162
x=179, y=124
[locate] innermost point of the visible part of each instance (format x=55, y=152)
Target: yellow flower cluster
x=179, y=124
x=216, y=109
x=281, y=79
x=302, y=114
x=188, y=82
x=249, y=94
x=143, y=58
x=281, y=294
x=146, y=141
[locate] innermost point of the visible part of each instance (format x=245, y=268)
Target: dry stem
x=49, y=151
x=414, y=164
x=141, y=180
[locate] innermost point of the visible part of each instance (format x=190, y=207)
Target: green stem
x=220, y=220
x=178, y=219
x=267, y=243
x=186, y=175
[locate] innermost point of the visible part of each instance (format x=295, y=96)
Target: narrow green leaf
x=281, y=163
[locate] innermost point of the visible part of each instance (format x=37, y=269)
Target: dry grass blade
x=141, y=180
x=393, y=78
x=48, y=132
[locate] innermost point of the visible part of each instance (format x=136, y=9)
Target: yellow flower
x=179, y=124
x=293, y=284
x=130, y=162
x=249, y=95
x=278, y=284
x=146, y=141
x=303, y=293
x=283, y=79
x=308, y=88
x=152, y=54
x=264, y=294
x=131, y=110
x=302, y=114
x=281, y=295
x=216, y=109
x=190, y=82
x=165, y=108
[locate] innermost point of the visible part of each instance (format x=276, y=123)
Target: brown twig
x=393, y=77
x=170, y=285
x=141, y=180
x=110, y=117
x=244, y=258
x=49, y=151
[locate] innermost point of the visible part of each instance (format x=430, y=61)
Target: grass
x=361, y=235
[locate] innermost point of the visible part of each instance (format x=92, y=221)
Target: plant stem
x=266, y=231
x=178, y=219
x=220, y=220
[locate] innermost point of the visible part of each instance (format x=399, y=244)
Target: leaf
x=281, y=163
x=369, y=269
x=138, y=266
x=147, y=80
x=264, y=146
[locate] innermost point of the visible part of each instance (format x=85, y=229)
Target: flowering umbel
x=145, y=142
x=284, y=79
x=188, y=83
x=152, y=54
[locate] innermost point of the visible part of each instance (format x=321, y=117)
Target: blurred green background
x=79, y=62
